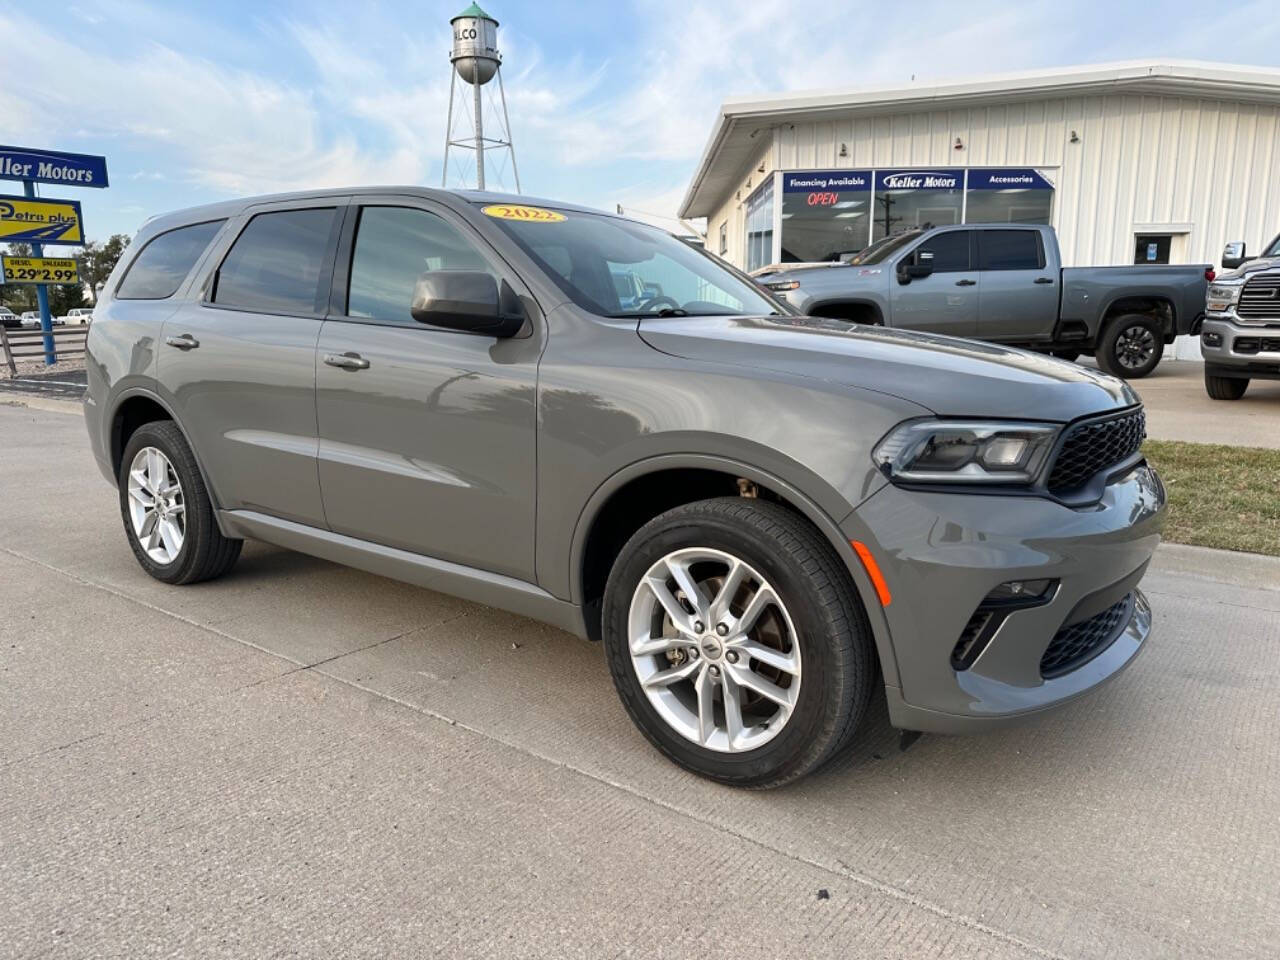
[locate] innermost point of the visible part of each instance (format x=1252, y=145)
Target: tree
x=97, y=260
x=18, y=297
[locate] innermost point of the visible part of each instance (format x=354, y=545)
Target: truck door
x=946, y=301
x=1018, y=301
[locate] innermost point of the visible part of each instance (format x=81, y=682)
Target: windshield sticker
x=506, y=211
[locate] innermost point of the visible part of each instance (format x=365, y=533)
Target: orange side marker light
x=873, y=571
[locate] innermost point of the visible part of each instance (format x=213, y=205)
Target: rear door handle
x=966, y=283
x=1044, y=280
x=184, y=342
x=347, y=361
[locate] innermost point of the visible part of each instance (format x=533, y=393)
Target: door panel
x=946, y=301
x=1019, y=289
x=431, y=446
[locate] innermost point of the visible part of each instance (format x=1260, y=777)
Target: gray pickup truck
x=1005, y=283
x=1241, y=336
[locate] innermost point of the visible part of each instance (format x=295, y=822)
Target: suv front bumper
x=1240, y=350
x=943, y=553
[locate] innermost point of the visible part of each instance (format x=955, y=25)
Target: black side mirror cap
x=465, y=300
x=1233, y=255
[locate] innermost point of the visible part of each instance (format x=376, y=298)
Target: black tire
x=831, y=629
x=1225, y=388
x=1115, y=353
x=205, y=552
x=1068, y=355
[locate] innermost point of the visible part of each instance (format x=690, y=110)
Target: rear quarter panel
x=1089, y=292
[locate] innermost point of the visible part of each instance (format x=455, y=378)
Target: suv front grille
x=1074, y=646
x=1260, y=298
x=1090, y=448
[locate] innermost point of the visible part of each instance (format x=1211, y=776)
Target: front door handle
x=966, y=283
x=184, y=342
x=1044, y=279
x=347, y=361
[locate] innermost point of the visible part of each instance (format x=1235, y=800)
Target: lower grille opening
x=1075, y=645
x=966, y=648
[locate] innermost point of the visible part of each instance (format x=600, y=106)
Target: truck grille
x=1090, y=448
x=1256, y=344
x=1074, y=646
x=1260, y=298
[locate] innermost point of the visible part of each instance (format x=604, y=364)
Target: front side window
x=950, y=251
x=1009, y=250
x=393, y=246
x=165, y=261
x=276, y=263
x=619, y=268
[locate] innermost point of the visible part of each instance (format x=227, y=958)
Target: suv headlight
x=954, y=451
x=1222, y=296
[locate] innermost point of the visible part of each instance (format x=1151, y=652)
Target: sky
x=610, y=102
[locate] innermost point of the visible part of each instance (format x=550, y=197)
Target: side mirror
x=466, y=300
x=1233, y=255
x=908, y=271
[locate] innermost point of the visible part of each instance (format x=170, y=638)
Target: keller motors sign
x=49, y=166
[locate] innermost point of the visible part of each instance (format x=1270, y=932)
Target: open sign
x=823, y=199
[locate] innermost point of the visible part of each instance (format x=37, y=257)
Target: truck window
x=275, y=264
x=158, y=271
x=1009, y=250
x=950, y=251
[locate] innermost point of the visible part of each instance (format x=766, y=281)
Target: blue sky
x=610, y=102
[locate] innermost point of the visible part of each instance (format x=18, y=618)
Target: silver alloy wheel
x=714, y=649
x=157, y=509
x=1135, y=346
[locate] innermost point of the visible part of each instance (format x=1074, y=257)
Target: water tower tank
x=475, y=45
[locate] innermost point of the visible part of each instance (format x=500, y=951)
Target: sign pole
x=42, y=291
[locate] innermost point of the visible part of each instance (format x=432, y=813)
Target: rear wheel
x=737, y=642
x=1131, y=347
x=167, y=514
x=1225, y=388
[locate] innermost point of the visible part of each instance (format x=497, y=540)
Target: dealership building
x=1151, y=162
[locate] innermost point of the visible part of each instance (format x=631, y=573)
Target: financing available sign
x=53, y=166
x=28, y=220
x=38, y=270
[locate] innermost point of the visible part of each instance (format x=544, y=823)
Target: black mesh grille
x=1093, y=447
x=1079, y=643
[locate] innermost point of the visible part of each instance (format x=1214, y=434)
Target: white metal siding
x=1142, y=162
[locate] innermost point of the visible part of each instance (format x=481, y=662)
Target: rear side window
x=276, y=263
x=158, y=271
x=950, y=251
x=1010, y=250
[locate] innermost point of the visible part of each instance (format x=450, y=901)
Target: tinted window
x=393, y=246
x=165, y=262
x=950, y=251
x=1010, y=250
x=275, y=264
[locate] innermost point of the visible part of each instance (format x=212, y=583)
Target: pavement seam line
x=870, y=883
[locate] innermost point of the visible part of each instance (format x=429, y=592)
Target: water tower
x=476, y=61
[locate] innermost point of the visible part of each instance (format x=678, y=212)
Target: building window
x=825, y=214
x=913, y=198
x=760, y=226
x=1002, y=195
x=724, y=238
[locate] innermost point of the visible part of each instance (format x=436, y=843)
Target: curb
x=1255, y=570
x=48, y=404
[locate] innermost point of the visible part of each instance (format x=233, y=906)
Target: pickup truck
x=1241, y=336
x=1005, y=283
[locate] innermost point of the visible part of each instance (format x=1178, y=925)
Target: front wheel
x=1225, y=388
x=1131, y=347
x=737, y=642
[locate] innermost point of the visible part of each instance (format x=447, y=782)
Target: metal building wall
x=1209, y=167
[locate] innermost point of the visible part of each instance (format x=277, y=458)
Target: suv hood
x=947, y=375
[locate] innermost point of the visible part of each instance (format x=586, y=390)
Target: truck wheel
x=1225, y=388
x=1131, y=347
x=168, y=517
x=737, y=641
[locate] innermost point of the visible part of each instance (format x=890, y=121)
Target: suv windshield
x=884, y=248
x=620, y=268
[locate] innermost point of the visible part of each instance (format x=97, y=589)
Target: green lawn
x=1225, y=497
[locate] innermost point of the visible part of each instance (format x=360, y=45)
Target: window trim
x=339, y=205
x=212, y=242
x=1039, y=237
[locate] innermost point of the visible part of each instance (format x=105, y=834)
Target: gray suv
x=566, y=414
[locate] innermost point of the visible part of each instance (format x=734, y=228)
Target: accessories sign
x=53, y=166
x=26, y=220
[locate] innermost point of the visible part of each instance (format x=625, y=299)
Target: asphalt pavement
x=305, y=760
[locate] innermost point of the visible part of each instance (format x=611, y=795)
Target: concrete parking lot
x=302, y=759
